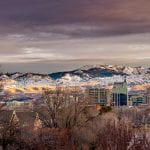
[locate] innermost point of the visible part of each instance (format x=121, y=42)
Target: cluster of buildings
x=119, y=95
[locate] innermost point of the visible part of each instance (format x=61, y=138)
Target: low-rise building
x=138, y=98
x=100, y=96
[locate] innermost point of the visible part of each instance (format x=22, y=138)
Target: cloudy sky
x=55, y=35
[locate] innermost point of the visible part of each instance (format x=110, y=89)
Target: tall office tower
x=120, y=93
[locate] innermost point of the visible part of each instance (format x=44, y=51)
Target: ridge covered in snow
x=102, y=75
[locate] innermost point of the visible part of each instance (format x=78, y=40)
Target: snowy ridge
x=101, y=75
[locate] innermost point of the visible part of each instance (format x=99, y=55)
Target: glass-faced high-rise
x=120, y=93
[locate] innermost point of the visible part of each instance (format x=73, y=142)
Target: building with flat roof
x=120, y=93
x=138, y=99
x=100, y=96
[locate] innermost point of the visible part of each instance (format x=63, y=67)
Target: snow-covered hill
x=88, y=72
x=102, y=75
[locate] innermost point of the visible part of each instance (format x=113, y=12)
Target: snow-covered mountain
x=26, y=79
x=88, y=72
x=102, y=75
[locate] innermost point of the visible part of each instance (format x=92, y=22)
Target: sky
x=54, y=35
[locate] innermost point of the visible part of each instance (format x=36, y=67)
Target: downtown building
x=100, y=96
x=120, y=93
x=137, y=98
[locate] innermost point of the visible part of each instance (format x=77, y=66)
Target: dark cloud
x=122, y=16
x=83, y=31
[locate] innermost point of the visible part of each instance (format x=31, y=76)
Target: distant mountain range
x=102, y=71
x=84, y=74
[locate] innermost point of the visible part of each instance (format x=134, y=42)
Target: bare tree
x=66, y=107
x=114, y=135
x=55, y=101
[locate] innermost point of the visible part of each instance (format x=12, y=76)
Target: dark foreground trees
x=69, y=122
x=91, y=129
x=65, y=108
